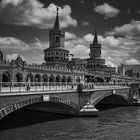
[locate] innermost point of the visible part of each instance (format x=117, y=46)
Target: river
x=121, y=123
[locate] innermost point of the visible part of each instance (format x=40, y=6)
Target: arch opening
x=98, y=79
x=64, y=79
x=58, y=79
x=111, y=101
x=30, y=78
x=5, y=78
x=18, y=79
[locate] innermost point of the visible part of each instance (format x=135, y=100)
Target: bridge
x=63, y=98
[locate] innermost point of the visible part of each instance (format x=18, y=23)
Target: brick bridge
x=67, y=100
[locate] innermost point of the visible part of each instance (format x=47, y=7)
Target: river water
x=121, y=123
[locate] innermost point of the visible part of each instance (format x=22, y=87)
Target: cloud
x=69, y=35
x=39, y=44
x=33, y=13
x=107, y=10
x=82, y=1
x=132, y=62
x=110, y=64
x=80, y=51
x=127, y=30
x=11, y=57
x=13, y=43
x=85, y=23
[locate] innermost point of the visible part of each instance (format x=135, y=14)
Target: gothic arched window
x=57, y=39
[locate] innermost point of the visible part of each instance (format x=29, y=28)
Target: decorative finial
x=56, y=24
x=95, y=41
x=57, y=10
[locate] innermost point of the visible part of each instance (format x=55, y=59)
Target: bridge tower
x=56, y=55
x=95, y=62
x=95, y=47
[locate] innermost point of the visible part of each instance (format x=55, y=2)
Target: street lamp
x=71, y=66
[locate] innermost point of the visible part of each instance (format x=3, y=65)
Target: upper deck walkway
x=37, y=88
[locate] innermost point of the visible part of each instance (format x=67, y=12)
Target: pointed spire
x=56, y=25
x=95, y=41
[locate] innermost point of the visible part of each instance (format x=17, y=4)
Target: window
x=57, y=39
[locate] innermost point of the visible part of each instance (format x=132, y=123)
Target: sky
x=25, y=25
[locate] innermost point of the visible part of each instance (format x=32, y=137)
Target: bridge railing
x=36, y=86
x=97, y=85
x=7, y=87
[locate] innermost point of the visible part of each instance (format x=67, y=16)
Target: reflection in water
x=118, y=123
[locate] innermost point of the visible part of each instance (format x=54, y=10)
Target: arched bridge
x=69, y=107
x=69, y=100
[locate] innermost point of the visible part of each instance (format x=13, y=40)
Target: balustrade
x=9, y=87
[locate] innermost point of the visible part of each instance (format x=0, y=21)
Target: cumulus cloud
x=13, y=43
x=33, y=13
x=39, y=44
x=107, y=10
x=69, y=35
x=132, y=62
x=85, y=23
x=80, y=51
x=127, y=30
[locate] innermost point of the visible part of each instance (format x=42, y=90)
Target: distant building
x=129, y=70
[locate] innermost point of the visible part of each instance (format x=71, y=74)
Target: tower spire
x=56, y=24
x=95, y=41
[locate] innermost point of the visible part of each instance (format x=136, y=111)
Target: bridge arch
x=19, y=105
x=51, y=78
x=30, y=77
x=69, y=79
x=37, y=78
x=18, y=77
x=6, y=77
x=99, y=79
x=111, y=99
x=64, y=79
x=45, y=78
x=58, y=78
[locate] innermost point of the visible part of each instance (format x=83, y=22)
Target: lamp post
x=72, y=67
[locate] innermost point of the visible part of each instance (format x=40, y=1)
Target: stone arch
x=69, y=79
x=45, y=78
x=58, y=78
x=18, y=77
x=51, y=78
x=6, y=77
x=99, y=79
x=37, y=78
x=16, y=106
x=64, y=79
x=78, y=79
x=30, y=77
x=100, y=98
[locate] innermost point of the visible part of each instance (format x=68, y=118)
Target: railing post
x=0, y=86
x=19, y=86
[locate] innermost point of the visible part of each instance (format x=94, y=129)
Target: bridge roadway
x=64, y=100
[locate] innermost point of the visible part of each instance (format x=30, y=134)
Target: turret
x=56, y=35
x=95, y=47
